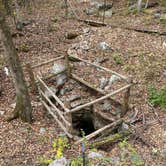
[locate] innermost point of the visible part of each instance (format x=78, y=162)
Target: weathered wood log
x=93, y=23
x=98, y=90
x=98, y=66
x=126, y=102
x=47, y=62
x=54, y=96
x=100, y=99
x=109, y=140
x=48, y=77
x=67, y=64
x=55, y=117
x=90, y=136
x=55, y=108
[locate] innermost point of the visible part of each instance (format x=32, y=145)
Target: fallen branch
x=53, y=95
x=55, y=117
x=90, y=136
x=154, y=111
x=110, y=139
x=93, y=23
x=55, y=108
x=100, y=99
x=138, y=135
x=98, y=90
x=47, y=62
x=98, y=66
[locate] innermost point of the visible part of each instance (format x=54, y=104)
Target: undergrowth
x=157, y=97
x=129, y=154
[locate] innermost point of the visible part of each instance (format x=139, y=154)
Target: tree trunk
x=23, y=107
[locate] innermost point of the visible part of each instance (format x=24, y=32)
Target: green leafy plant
x=129, y=153
x=157, y=97
x=76, y=161
x=24, y=48
x=43, y=160
x=117, y=58
x=58, y=146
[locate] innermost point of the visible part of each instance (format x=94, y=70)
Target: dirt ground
x=142, y=56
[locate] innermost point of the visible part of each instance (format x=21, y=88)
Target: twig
x=154, y=111
x=144, y=120
x=140, y=136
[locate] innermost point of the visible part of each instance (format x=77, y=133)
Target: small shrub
x=117, y=58
x=157, y=98
x=43, y=160
x=129, y=154
x=76, y=161
x=24, y=48
x=58, y=145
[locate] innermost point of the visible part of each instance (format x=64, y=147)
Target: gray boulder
x=104, y=46
x=112, y=79
x=60, y=162
x=2, y=112
x=48, y=94
x=42, y=130
x=58, y=67
x=93, y=155
x=103, y=82
x=106, y=106
x=60, y=80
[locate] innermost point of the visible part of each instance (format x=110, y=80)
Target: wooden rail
x=99, y=99
x=98, y=66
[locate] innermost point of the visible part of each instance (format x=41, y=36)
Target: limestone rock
x=94, y=155
x=60, y=162
x=58, y=67
x=103, y=82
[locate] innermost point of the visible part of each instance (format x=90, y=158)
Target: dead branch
x=47, y=62
x=112, y=125
x=98, y=90
x=55, y=108
x=100, y=67
x=100, y=99
x=110, y=139
x=154, y=111
x=55, y=117
x=55, y=97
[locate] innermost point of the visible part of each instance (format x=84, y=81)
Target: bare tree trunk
x=17, y=17
x=23, y=107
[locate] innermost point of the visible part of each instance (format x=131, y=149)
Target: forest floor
x=136, y=54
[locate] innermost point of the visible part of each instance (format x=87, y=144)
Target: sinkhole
x=83, y=120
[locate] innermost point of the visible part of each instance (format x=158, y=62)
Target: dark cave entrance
x=83, y=120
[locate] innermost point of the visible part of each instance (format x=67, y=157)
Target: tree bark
x=23, y=107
